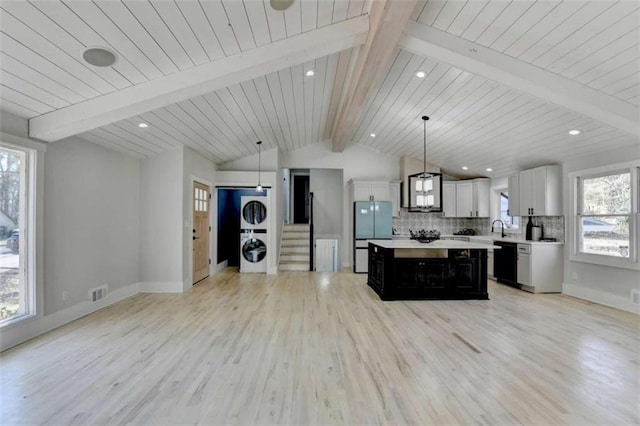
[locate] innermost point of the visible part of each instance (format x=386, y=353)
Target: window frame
x=496, y=194
x=27, y=266
x=575, y=179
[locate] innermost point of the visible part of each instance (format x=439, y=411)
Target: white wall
x=280, y=205
x=14, y=125
x=200, y=169
x=601, y=284
x=91, y=221
x=357, y=162
x=327, y=188
x=161, y=222
x=269, y=161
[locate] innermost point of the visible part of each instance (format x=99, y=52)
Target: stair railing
x=311, y=240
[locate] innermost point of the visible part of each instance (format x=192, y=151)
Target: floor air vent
x=98, y=293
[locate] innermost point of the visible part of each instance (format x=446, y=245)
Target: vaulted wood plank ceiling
x=486, y=112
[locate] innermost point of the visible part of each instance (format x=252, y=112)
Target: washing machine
x=253, y=251
x=253, y=212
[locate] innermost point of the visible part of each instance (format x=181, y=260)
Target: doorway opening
x=229, y=223
x=300, y=188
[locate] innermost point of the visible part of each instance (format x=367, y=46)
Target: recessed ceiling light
x=280, y=4
x=143, y=125
x=373, y=135
x=99, y=57
x=310, y=73
x=465, y=168
x=420, y=74
x=489, y=169
x=574, y=132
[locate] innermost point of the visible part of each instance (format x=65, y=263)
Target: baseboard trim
x=601, y=297
x=161, y=287
x=15, y=334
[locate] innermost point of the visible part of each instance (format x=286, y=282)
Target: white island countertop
x=438, y=244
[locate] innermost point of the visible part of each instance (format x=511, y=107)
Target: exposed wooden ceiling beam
x=519, y=75
x=388, y=19
x=199, y=80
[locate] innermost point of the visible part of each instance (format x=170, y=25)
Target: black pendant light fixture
x=425, y=189
x=259, y=186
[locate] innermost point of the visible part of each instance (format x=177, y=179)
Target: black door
x=301, y=199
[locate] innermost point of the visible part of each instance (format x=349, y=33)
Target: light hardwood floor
x=310, y=348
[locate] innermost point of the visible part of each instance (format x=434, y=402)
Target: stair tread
x=294, y=262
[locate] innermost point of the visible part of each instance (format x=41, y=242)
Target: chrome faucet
x=501, y=227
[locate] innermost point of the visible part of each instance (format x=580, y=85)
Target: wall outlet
x=635, y=297
x=65, y=295
x=574, y=276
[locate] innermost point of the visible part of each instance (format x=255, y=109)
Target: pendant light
x=259, y=186
x=425, y=188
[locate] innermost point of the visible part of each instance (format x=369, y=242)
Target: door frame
x=212, y=224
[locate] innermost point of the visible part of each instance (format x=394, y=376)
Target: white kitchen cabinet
x=394, y=196
x=514, y=196
x=524, y=264
x=464, y=199
x=369, y=190
x=481, y=198
x=540, y=267
x=472, y=198
x=449, y=199
x=540, y=191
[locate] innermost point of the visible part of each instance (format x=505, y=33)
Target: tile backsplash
x=553, y=226
x=446, y=226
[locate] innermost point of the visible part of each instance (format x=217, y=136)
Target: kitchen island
x=442, y=269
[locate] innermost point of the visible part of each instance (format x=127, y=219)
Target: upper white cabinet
x=481, y=190
x=467, y=198
x=369, y=190
x=464, y=199
x=394, y=196
x=540, y=192
x=449, y=199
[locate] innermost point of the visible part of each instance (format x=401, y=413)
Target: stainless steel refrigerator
x=372, y=220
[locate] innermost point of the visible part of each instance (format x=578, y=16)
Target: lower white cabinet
x=524, y=264
x=540, y=268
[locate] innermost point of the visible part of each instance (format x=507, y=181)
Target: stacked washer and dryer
x=253, y=234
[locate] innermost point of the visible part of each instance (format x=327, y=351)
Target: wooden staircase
x=294, y=248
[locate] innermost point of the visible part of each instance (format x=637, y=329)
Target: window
x=511, y=222
x=16, y=292
x=605, y=221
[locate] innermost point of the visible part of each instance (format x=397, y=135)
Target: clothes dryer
x=253, y=212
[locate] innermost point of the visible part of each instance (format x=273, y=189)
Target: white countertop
x=404, y=237
x=438, y=244
x=517, y=240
